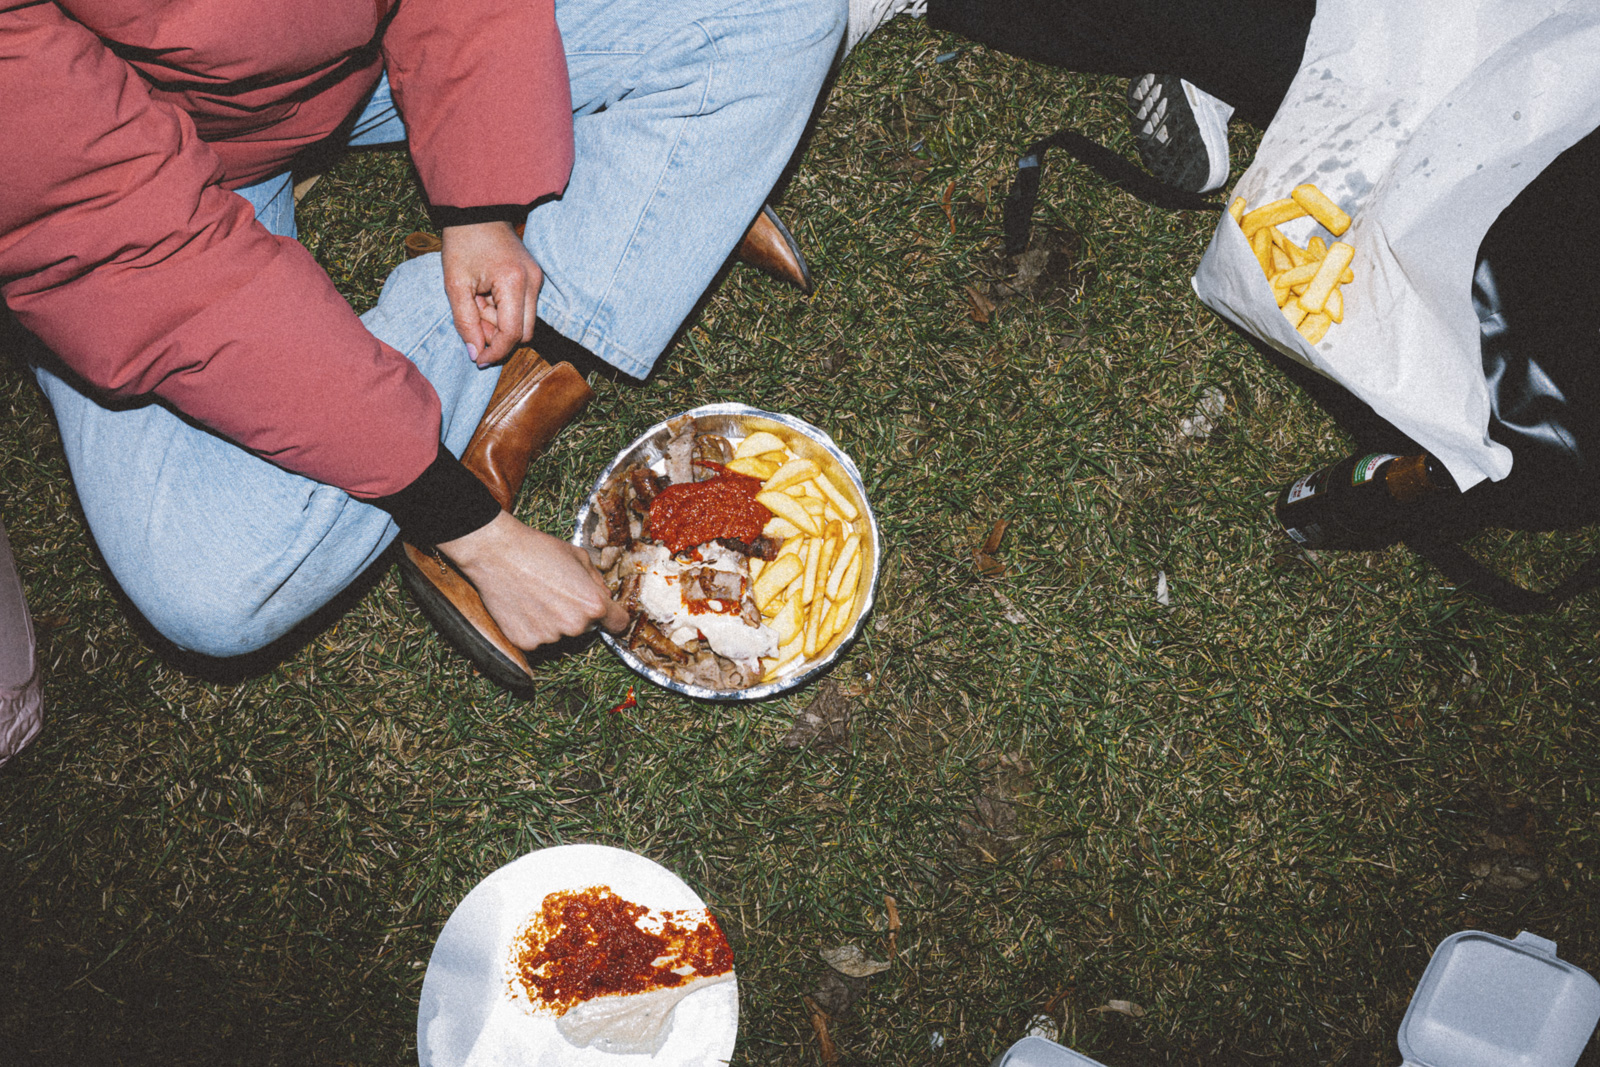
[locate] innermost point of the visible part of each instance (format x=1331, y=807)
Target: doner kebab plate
x=741, y=543
x=576, y=955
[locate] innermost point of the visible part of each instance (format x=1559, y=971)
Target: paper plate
x=467, y=1017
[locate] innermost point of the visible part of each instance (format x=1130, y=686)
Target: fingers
x=617, y=617
x=614, y=617
x=493, y=285
x=530, y=307
x=597, y=608
x=507, y=302
x=538, y=588
x=464, y=309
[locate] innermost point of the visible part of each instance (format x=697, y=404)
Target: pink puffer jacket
x=124, y=123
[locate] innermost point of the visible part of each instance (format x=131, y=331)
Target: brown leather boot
x=770, y=247
x=421, y=242
x=532, y=402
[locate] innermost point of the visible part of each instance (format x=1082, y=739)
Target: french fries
x=840, y=501
x=774, y=578
x=1316, y=203
x=791, y=473
x=1328, y=272
x=787, y=507
x=757, y=443
x=808, y=593
x=754, y=466
x=1261, y=245
x=1273, y=214
x=1305, y=281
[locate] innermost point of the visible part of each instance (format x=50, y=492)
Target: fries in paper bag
x=1406, y=132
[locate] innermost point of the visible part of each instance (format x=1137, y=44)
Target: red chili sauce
x=692, y=513
x=587, y=943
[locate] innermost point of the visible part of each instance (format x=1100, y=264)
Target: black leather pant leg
x=1244, y=51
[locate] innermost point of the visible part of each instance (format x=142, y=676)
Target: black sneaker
x=1182, y=132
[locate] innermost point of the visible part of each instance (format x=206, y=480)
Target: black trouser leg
x=1244, y=51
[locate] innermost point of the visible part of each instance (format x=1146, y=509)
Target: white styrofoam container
x=1042, y=1052
x=1483, y=1002
x=1488, y=1002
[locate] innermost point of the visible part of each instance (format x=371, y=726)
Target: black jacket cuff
x=445, y=502
x=442, y=216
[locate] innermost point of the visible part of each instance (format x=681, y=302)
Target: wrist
x=470, y=550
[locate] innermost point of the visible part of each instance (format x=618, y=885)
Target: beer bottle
x=1361, y=502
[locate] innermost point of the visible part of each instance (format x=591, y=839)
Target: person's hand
x=493, y=287
x=538, y=588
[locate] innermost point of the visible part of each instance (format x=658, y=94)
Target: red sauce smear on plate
x=587, y=943
x=692, y=513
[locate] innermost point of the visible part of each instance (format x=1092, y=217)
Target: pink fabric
x=21, y=705
x=121, y=249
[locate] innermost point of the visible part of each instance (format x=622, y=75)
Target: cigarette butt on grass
x=819, y=1024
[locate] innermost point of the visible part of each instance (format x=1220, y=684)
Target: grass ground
x=1251, y=812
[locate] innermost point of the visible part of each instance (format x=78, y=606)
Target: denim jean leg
x=220, y=550
x=379, y=124
x=685, y=115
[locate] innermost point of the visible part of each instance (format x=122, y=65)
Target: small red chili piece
x=626, y=704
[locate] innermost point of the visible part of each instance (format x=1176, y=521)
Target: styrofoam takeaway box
x=1483, y=1002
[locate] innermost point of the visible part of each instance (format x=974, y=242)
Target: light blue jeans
x=685, y=113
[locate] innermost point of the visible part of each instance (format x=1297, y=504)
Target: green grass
x=1253, y=812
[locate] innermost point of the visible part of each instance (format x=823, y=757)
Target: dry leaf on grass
x=984, y=560
x=979, y=306
x=304, y=186
x=1121, y=1007
x=824, y=722
x=852, y=961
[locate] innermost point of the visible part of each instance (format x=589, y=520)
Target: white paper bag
x=1424, y=121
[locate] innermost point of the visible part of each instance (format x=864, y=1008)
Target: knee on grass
x=220, y=620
